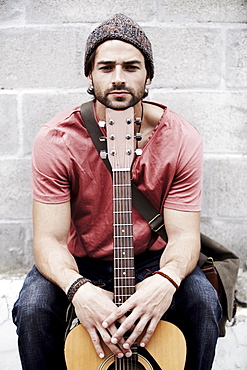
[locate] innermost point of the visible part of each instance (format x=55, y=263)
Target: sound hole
x=128, y=365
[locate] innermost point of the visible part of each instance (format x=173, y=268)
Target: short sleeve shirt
x=66, y=167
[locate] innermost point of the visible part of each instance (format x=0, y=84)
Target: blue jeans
x=40, y=314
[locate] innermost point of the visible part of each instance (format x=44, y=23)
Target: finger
x=96, y=342
x=112, y=330
x=127, y=325
x=148, y=332
x=136, y=332
x=117, y=315
x=98, y=336
x=115, y=347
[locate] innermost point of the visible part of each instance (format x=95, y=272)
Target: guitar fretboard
x=124, y=272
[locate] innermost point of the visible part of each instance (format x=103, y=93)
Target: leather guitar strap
x=139, y=200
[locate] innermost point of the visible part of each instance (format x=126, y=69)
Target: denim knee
x=40, y=316
x=196, y=310
x=199, y=292
x=38, y=298
x=196, y=303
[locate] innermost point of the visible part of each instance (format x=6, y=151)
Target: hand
x=92, y=306
x=148, y=304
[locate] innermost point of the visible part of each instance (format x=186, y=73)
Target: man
x=72, y=215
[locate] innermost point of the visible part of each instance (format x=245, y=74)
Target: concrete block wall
x=200, y=52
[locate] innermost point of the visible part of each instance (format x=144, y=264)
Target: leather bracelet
x=75, y=286
x=167, y=277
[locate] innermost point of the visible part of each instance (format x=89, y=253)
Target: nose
x=118, y=76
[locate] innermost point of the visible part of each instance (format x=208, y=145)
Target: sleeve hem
x=183, y=207
x=51, y=199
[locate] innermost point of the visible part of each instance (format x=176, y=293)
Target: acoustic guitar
x=166, y=349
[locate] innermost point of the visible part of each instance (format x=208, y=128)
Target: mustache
x=121, y=87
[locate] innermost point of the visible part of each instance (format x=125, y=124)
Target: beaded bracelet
x=167, y=277
x=75, y=286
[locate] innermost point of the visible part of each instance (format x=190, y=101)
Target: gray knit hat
x=121, y=28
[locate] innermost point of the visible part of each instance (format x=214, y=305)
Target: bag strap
x=139, y=200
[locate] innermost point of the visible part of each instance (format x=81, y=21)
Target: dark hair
x=90, y=63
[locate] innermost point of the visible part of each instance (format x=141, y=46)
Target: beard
x=122, y=102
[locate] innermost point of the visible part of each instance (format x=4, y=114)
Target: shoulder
x=153, y=112
x=165, y=118
x=64, y=118
x=59, y=125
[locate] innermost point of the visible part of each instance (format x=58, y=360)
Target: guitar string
x=129, y=242
x=130, y=362
x=125, y=215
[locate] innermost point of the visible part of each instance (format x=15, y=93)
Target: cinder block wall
x=200, y=51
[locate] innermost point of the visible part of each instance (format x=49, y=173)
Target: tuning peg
x=138, y=136
x=101, y=123
x=103, y=154
x=138, y=121
x=138, y=151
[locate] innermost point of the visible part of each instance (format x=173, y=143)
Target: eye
x=131, y=68
x=106, y=68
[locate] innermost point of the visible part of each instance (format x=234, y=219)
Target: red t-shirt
x=67, y=167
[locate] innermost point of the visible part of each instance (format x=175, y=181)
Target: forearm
x=180, y=258
x=182, y=251
x=55, y=262
x=52, y=258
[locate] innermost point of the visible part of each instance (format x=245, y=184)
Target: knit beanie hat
x=123, y=28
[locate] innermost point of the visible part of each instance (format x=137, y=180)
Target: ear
x=89, y=79
x=148, y=82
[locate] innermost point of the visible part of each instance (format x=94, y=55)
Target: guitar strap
x=139, y=200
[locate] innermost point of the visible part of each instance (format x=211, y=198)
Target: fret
x=122, y=235
x=126, y=275
x=122, y=258
x=122, y=180
x=122, y=295
x=125, y=252
x=121, y=212
x=125, y=286
x=120, y=170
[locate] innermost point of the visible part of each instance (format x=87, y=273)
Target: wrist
x=167, y=277
x=75, y=286
x=173, y=273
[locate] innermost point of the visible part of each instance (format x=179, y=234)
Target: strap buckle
x=156, y=223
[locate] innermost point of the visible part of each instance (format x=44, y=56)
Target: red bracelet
x=167, y=277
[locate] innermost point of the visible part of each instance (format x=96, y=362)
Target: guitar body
x=166, y=350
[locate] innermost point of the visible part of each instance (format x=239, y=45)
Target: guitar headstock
x=120, y=138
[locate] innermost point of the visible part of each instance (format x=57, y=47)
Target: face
x=119, y=75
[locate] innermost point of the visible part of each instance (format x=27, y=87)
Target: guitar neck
x=124, y=269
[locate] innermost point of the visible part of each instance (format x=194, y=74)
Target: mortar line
x=151, y=24
x=20, y=151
